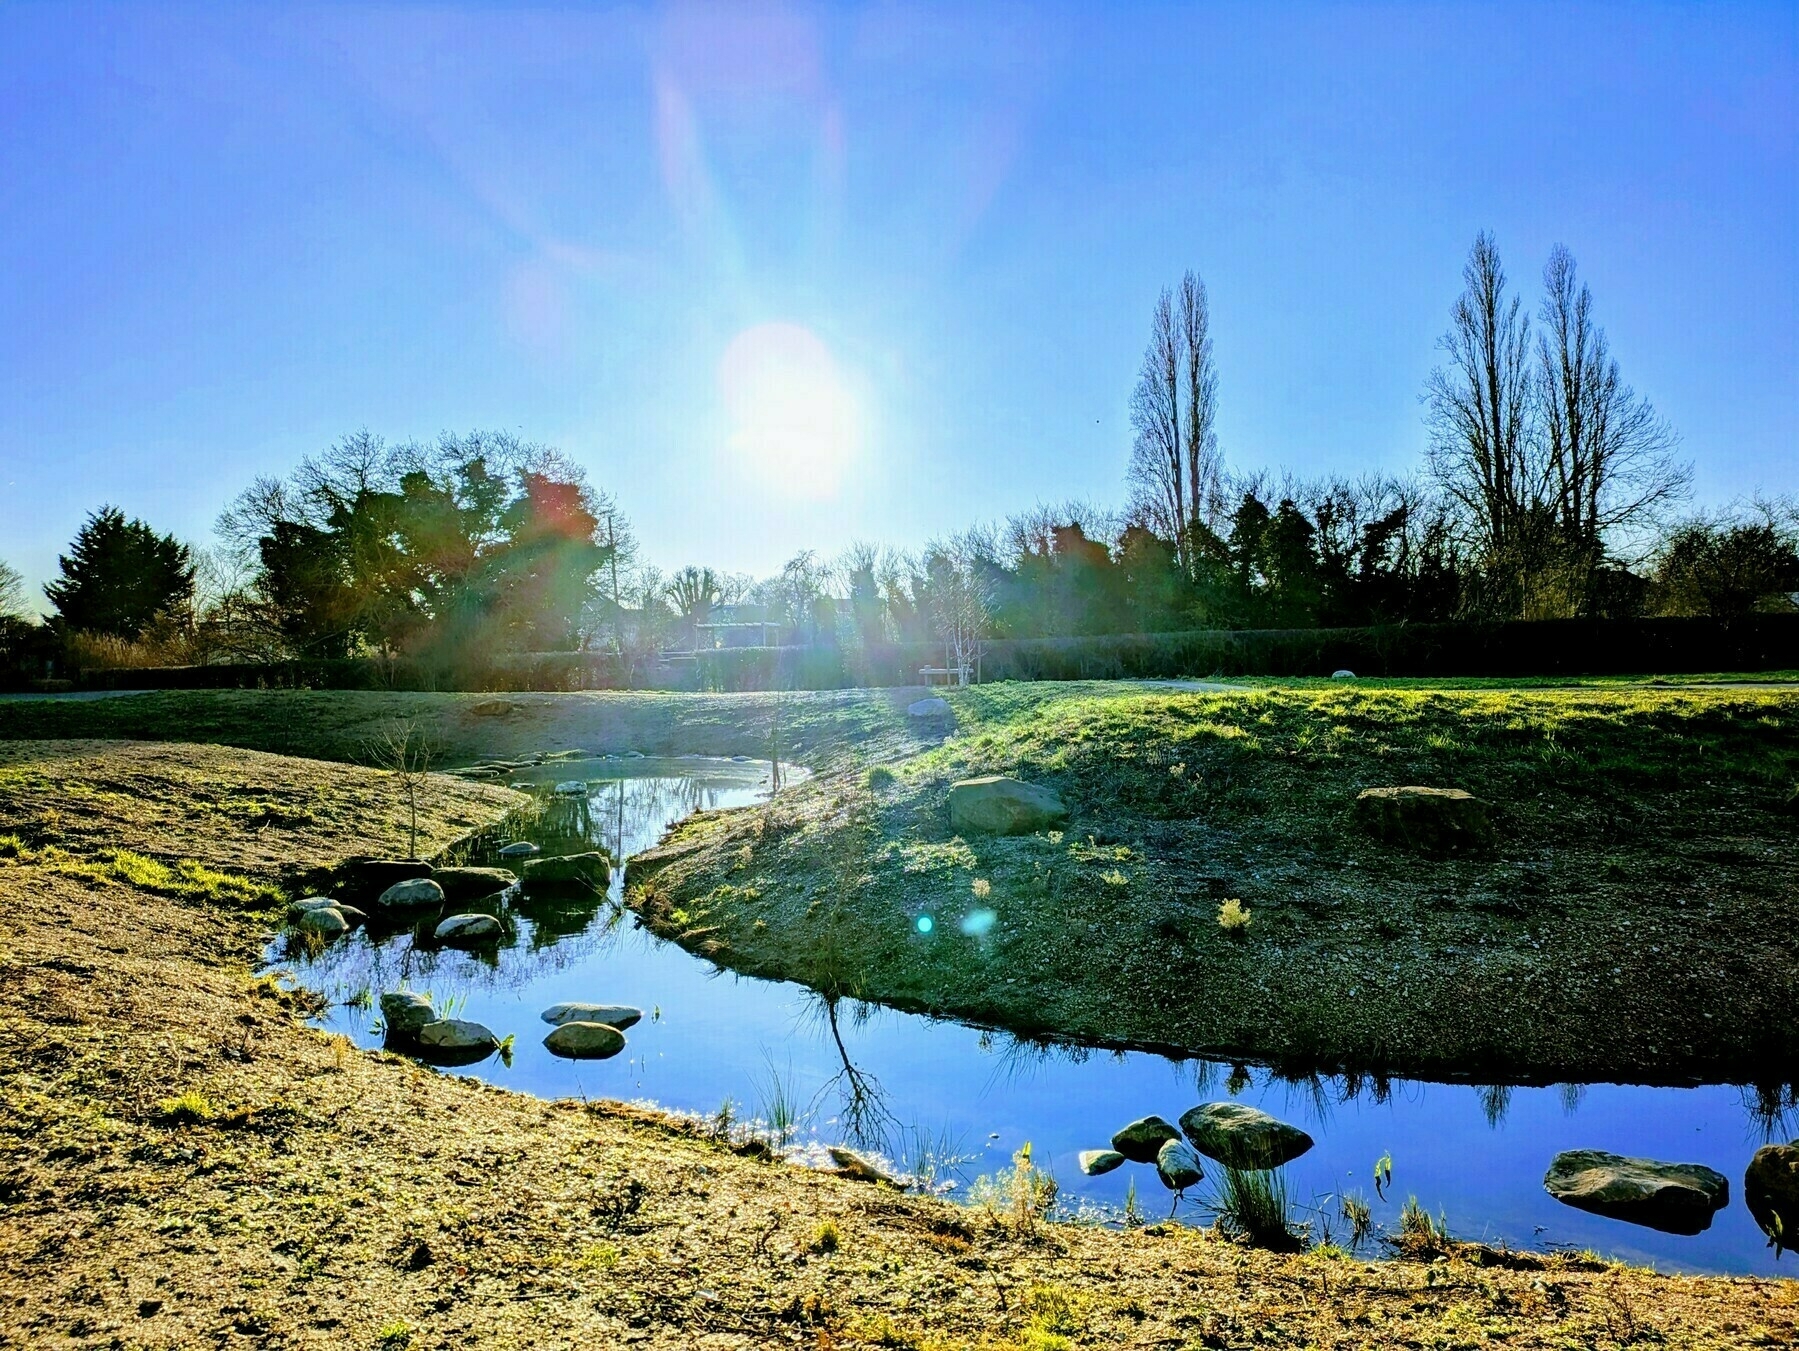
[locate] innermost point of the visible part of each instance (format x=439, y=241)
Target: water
x=1476, y=1156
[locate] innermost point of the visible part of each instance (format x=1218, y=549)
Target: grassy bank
x=1632, y=922
x=183, y=1162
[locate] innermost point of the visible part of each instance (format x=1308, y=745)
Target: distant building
x=739, y=626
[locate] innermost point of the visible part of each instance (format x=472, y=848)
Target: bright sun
x=794, y=423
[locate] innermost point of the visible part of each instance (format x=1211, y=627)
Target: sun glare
x=795, y=425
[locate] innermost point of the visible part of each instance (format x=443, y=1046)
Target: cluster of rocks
x=412, y=1025
x=1679, y=1198
x=588, y=1031
x=1237, y=1136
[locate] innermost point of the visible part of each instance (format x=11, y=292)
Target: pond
x=964, y=1098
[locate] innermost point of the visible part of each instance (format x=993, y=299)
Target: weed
x=190, y=1108
x=780, y=1109
x=1251, y=1205
x=724, y=1120
x=1021, y=1195
x=825, y=1238
x=394, y=1336
x=1358, y=1215
x=1420, y=1237
x=1133, y=1207
x=1115, y=878
x=1232, y=917
x=981, y=887
x=879, y=777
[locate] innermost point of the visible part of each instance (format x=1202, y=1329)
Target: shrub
x=1232, y=917
x=1251, y=1206
x=190, y=1108
x=825, y=1238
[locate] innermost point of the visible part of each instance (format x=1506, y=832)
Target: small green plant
x=724, y=1120
x=1232, y=917
x=191, y=1108
x=1115, y=878
x=1251, y=1206
x=981, y=887
x=1358, y=1215
x=825, y=1238
x=780, y=1111
x=1133, y=1207
x=1022, y=1195
x=881, y=777
x=1383, y=1174
x=394, y=1336
x=1420, y=1237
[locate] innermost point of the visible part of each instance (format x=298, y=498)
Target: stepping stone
x=460, y=930
x=463, y=883
x=411, y=895
x=620, y=1016
x=585, y=1041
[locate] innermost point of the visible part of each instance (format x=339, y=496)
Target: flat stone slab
x=457, y=1034
x=462, y=884
x=1434, y=820
x=620, y=1016
x=996, y=805
x=1675, y=1198
x=1094, y=1162
x=1241, y=1136
x=859, y=1167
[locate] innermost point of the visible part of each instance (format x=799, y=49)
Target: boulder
x=305, y=903
x=518, y=849
x=1140, y=1140
x=860, y=1167
x=592, y=869
x=327, y=921
x=996, y=805
x=585, y=1041
x=929, y=708
x=1240, y=1136
x=1676, y=1198
x=1435, y=820
x=1344, y=674
x=1178, y=1166
x=458, y=930
x=373, y=874
x=571, y=788
x=620, y=1016
x=411, y=895
x=463, y=883
x=352, y=916
x=1097, y=1161
x=404, y=1012
x=1771, y=1191
x=456, y=1034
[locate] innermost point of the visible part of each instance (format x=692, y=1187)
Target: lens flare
x=924, y=924
x=795, y=424
x=979, y=923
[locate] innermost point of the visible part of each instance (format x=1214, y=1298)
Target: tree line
x=1549, y=489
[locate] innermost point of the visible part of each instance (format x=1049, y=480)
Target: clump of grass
x=780, y=1108
x=1358, y=1215
x=1022, y=1195
x=981, y=887
x=1133, y=1207
x=1054, y=1318
x=879, y=777
x=1232, y=917
x=187, y=880
x=394, y=1336
x=1420, y=1237
x=1251, y=1206
x=191, y=1108
x=825, y=1238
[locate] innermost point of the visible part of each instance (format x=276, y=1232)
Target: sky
x=785, y=277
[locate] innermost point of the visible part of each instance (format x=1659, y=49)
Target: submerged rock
x=404, y=1012
x=518, y=849
x=352, y=915
x=1436, y=820
x=859, y=1167
x=1140, y=1140
x=929, y=708
x=457, y=1034
x=1676, y=1198
x=411, y=895
x=996, y=805
x=585, y=1041
x=1771, y=1191
x=467, y=929
x=1241, y=1136
x=620, y=1016
x=461, y=883
x=372, y=874
x=326, y=920
x=1178, y=1166
x=297, y=908
x=1097, y=1161
x=571, y=788
x=593, y=868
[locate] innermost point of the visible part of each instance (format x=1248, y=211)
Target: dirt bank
x=183, y=1162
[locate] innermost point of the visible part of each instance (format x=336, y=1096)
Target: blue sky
x=231, y=234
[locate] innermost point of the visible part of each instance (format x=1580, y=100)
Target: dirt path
x=184, y=1163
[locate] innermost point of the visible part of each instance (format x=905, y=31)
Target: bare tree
x=1481, y=410
x=695, y=593
x=1609, y=459
x=405, y=751
x=12, y=593
x=1175, y=464
x=961, y=598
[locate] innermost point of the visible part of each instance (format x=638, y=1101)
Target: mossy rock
x=1140, y=1140
x=462, y=884
x=591, y=869
x=1431, y=820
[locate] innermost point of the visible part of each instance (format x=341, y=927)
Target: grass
x=1232, y=917
x=1020, y=1197
x=1251, y=1206
x=826, y=1238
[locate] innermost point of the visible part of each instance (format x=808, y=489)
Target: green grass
x=1251, y=1205
x=185, y=880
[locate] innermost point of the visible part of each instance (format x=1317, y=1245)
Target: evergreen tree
x=119, y=575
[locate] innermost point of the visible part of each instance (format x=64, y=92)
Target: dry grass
x=183, y=1162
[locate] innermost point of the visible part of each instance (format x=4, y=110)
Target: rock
x=518, y=849
x=456, y=1034
x=996, y=805
x=354, y=917
x=1676, y=1198
x=1097, y=1161
x=419, y=892
x=1771, y=1191
x=1436, y=820
x=1178, y=1166
x=327, y=921
x=633, y=755
x=859, y=1167
x=372, y=874
x=571, y=788
x=305, y=903
x=462, y=883
x=929, y=708
x=1140, y=1140
x=1344, y=674
x=461, y=929
x=620, y=1016
x=404, y=1012
x=585, y=1041
x=1240, y=1136
x=593, y=869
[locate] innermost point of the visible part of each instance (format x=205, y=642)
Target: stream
x=954, y=1102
